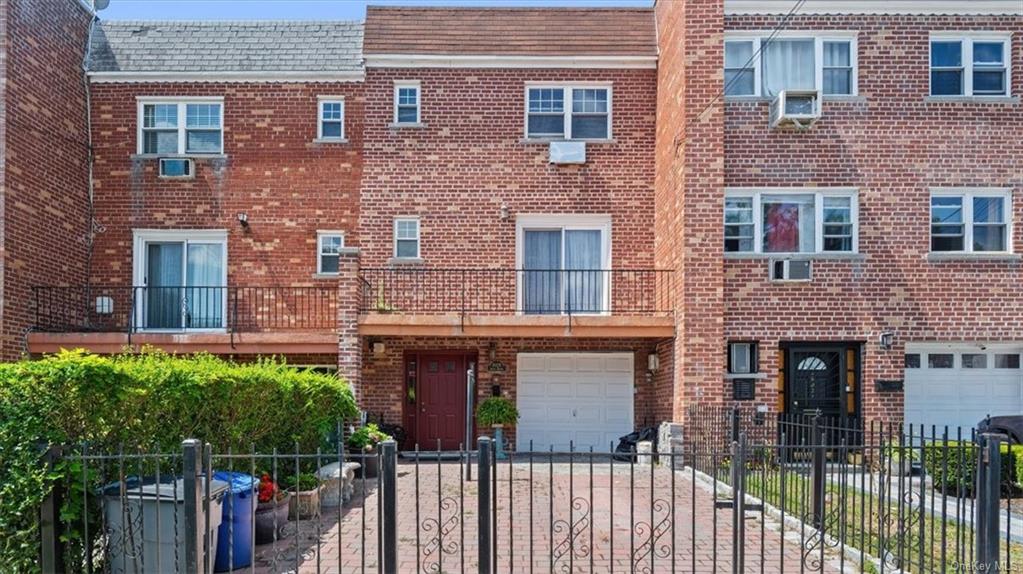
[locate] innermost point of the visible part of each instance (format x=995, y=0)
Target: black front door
x=816, y=381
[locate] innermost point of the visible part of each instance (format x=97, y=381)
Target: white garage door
x=959, y=385
x=585, y=398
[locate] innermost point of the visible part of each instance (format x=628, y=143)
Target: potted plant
x=305, y=500
x=364, y=443
x=496, y=412
x=272, y=510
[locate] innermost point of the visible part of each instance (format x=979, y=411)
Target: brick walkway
x=698, y=539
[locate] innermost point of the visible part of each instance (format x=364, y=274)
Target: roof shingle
x=510, y=31
x=219, y=46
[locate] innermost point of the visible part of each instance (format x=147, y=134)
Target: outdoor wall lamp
x=243, y=219
x=653, y=362
x=492, y=351
x=504, y=211
x=886, y=340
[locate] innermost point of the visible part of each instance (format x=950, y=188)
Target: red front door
x=442, y=380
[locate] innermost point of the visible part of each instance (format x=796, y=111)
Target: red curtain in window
x=781, y=233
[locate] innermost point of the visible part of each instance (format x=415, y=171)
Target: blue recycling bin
x=234, y=537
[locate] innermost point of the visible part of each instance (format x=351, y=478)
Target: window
x=1007, y=361
x=790, y=221
x=742, y=358
x=181, y=279
x=331, y=124
x=406, y=238
x=180, y=127
x=967, y=222
x=328, y=249
x=974, y=361
x=756, y=66
x=912, y=360
x=406, y=103
x=563, y=261
x=940, y=360
x=969, y=66
x=568, y=112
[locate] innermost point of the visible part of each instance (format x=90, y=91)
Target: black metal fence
x=93, y=308
x=751, y=506
x=525, y=291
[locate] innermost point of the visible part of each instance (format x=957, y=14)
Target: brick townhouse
x=610, y=216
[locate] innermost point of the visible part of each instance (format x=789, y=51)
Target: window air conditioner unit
x=790, y=269
x=568, y=152
x=176, y=167
x=799, y=108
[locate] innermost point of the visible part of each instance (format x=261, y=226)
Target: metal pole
x=989, y=467
x=817, y=477
x=192, y=467
x=389, y=490
x=470, y=386
x=51, y=560
x=483, y=446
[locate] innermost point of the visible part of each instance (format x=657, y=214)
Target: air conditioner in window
x=799, y=108
x=176, y=167
x=568, y=152
x=790, y=269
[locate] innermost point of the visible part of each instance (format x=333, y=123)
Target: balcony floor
x=276, y=343
x=554, y=326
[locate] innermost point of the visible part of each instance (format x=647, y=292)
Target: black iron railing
x=517, y=291
x=91, y=308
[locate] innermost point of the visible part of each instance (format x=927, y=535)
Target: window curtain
x=164, y=279
x=541, y=289
x=585, y=282
x=788, y=65
x=204, y=298
x=789, y=224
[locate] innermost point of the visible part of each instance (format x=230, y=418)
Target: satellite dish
x=100, y=4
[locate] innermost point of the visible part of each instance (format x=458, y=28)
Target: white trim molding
x=877, y=7
x=505, y=61
x=227, y=77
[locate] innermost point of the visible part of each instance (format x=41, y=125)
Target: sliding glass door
x=183, y=285
x=562, y=271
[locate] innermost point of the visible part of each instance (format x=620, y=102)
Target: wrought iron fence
x=523, y=291
x=92, y=308
x=749, y=507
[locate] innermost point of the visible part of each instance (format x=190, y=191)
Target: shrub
x=496, y=411
x=149, y=401
x=953, y=468
x=305, y=481
x=367, y=437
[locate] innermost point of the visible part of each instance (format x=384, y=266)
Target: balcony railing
x=626, y=292
x=91, y=308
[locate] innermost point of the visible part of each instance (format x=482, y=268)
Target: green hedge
x=149, y=400
x=953, y=469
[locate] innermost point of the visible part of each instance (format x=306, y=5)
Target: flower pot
x=304, y=504
x=370, y=464
x=269, y=512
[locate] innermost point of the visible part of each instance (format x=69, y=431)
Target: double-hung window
x=563, y=261
x=970, y=65
x=407, y=103
x=331, y=123
x=758, y=65
x=188, y=126
x=791, y=221
x=971, y=221
x=406, y=238
x=568, y=112
x=328, y=251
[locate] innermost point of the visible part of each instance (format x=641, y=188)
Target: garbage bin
x=146, y=523
x=234, y=541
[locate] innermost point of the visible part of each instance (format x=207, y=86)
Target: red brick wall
x=893, y=146
x=456, y=172
x=382, y=375
x=287, y=185
x=689, y=184
x=45, y=141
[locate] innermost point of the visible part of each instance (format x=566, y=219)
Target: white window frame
x=564, y=222
x=968, y=194
x=418, y=238
x=967, y=39
x=819, y=193
x=182, y=103
x=819, y=38
x=320, y=236
x=321, y=101
x=142, y=237
x=409, y=84
x=568, y=88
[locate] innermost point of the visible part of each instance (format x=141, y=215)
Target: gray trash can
x=145, y=524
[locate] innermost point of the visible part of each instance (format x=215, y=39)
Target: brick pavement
x=607, y=504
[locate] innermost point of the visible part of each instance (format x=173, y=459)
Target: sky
x=303, y=9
